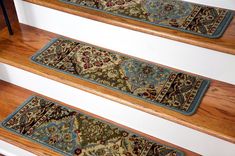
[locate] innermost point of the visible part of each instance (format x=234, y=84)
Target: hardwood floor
x=215, y=115
x=12, y=96
x=224, y=44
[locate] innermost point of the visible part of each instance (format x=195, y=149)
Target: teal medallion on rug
x=146, y=81
x=188, y=17
x=73, y=133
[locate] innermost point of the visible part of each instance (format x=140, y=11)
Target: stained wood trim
x=12, y=96
x=224, y=44
x=215, y=115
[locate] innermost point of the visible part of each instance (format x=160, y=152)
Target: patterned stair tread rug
x=128, y=75
x=188, y=17
x=71, y=132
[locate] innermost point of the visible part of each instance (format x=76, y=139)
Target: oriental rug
x=174, y=14
x=133, y=77
x=71, y=132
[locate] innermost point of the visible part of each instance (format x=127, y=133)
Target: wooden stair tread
x=215, y=115
x=225, y=44
x=12, y=96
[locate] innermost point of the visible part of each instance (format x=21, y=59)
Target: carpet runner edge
x=197, y=19
x=150, y=86
x=37, y=102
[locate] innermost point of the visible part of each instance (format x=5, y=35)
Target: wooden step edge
x=225, y=44
x=12, y=96
x=215, y=115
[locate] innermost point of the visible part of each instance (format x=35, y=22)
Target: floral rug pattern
x=155, y=84
x=193, y=18
x=73, y=133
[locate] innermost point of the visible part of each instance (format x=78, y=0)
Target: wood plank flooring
x=224, y=44
x=12, y=96
x=215, y=115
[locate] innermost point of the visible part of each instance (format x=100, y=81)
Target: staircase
x=210, y=131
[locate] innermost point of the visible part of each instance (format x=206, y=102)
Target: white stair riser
x=11, y=150
x=228, y=4
x=163, y=129
x=202, y=61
